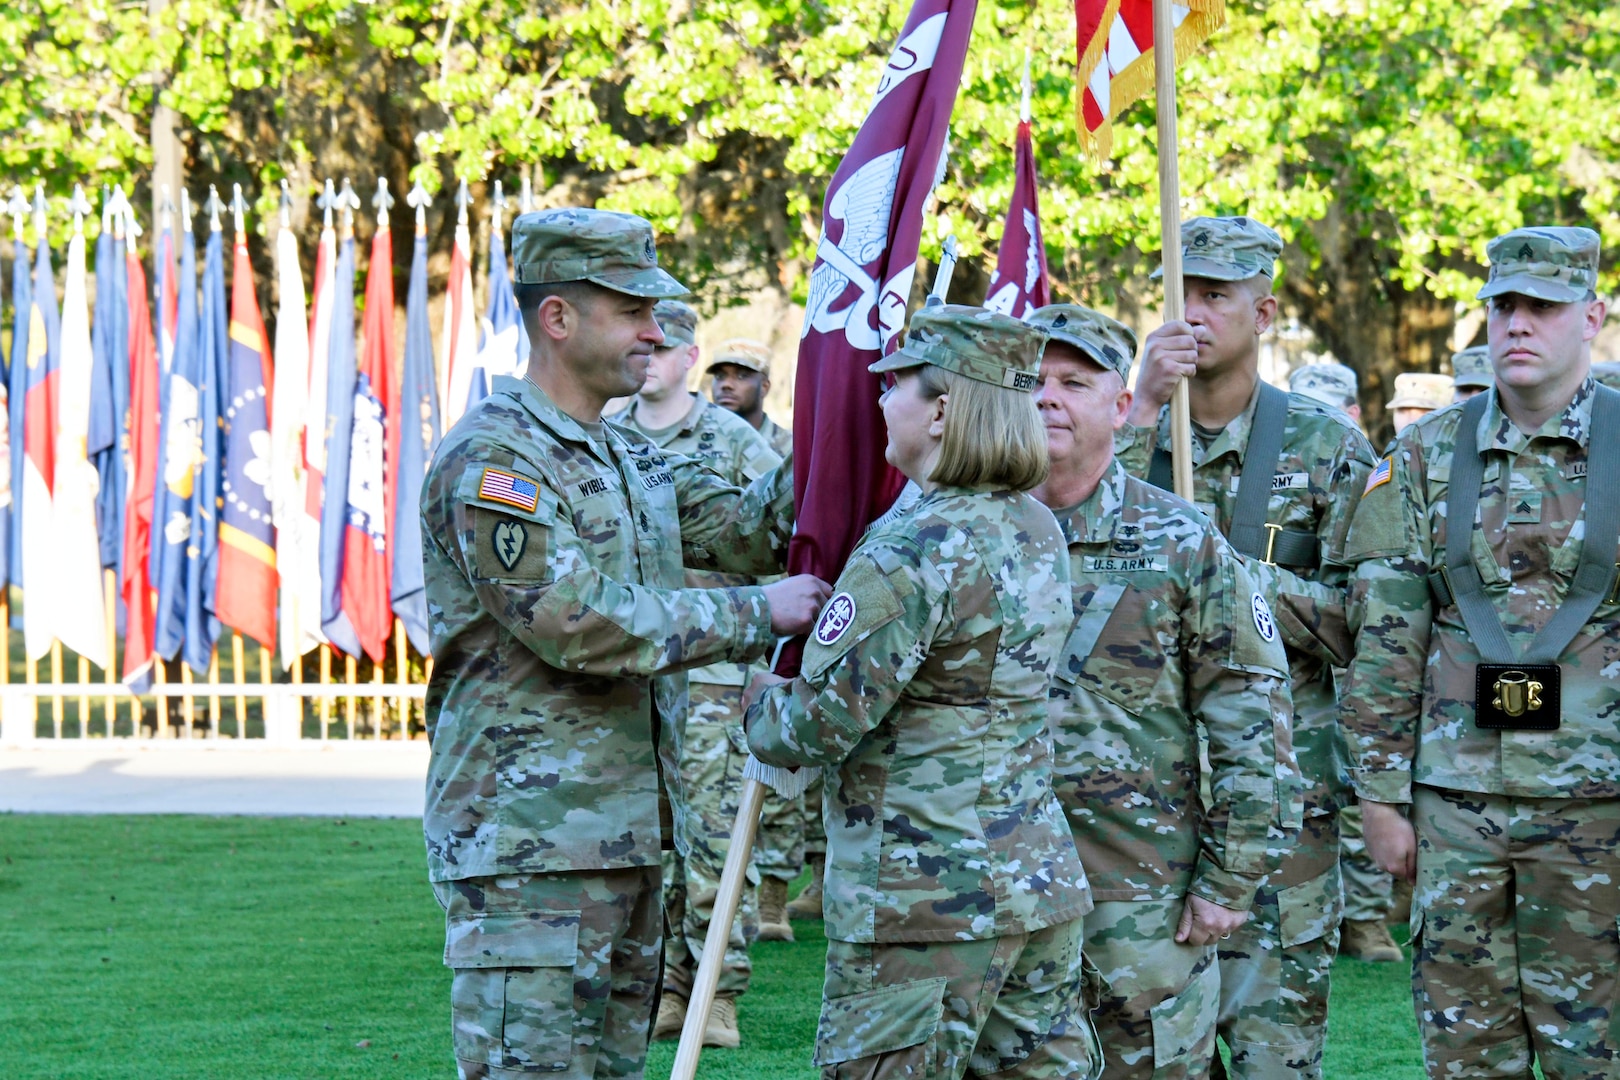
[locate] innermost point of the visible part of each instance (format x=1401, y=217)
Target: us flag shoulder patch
x=1380, y=475
x=509, y=488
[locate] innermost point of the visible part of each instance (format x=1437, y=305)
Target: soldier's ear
x=936, y=416
x=1265, y=313
x=1596, y=312
x=555, y=318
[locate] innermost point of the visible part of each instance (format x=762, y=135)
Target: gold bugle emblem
x=1516, y=693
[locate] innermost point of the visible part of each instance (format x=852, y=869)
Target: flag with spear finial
x=41, y=389
x=505, y=348
x=298, y=549
x=247, y=552
x=16, y=389
x=136, y=578
x=338, y=425
x=1020, y=284
x=414, y=436
x=459, y=354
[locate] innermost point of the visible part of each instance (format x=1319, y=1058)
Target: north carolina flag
x=413, y=437
x=74, y=592
x=1020, y=284
x=140, y=598
x=338, y=423
x=1114, y=44
x=366, y=568
x=247, y=553
x=458, y=357
x=298, y=550
x=41, y=378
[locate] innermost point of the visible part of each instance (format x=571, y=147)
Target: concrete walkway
x=97, y=776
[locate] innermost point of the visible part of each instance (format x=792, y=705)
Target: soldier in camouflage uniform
x=552, y=549
x=1368, y=891
x=1330, y=383
x=1274, y=971
x=1418, y=393
x=1506, y=807
x=1471, y=372
x=1171, y=636
x=678, y=421
x=954, y=896
x=741, y=374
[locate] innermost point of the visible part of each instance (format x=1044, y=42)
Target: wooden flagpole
x=1175, y=305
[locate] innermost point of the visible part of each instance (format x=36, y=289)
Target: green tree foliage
x=1386, y=139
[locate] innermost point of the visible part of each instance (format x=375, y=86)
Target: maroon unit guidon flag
x=871, y=227
x=1114, y=43
x=1020, y=283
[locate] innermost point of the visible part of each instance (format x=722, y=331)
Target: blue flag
x=505, y=346
x=342, y=370
x=22, y=298
x=109, y=390
x=178, y=463
x=202, y=555
x=418, y=438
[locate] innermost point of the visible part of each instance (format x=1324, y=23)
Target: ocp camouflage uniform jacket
x=1168, y=637
x=1408, y=705
x=924, y=687
x=729, y=445
x=779, y=437
x=561, y=631
x=1324, y=464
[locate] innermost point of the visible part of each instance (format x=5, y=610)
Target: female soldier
x=953, y=893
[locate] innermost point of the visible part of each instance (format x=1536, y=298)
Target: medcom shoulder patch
x=1263, y=621
x=836, y=619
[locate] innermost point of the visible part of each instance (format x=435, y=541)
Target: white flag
x=77, y=593
x=458, y=358
x=298, y=564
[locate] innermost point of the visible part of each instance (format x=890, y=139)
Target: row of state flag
x=155, y=444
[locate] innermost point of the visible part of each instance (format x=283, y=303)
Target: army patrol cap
x=1556, y=263
x=604, y=247
x=1330, y=383
x=1227, y=249
x=972, y=341
x=745, y=353
x=1421, y=390
x=1472, y=367
x=678, y=322
x=1109, y=343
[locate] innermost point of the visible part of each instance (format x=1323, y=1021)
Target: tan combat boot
x=722, y=1028
x=1369, y=940
x=773, y=918
x=671, y=1017
x=808, y=903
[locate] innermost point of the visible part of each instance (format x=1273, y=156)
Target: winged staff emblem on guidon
x=864, y=204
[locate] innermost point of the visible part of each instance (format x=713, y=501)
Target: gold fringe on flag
x=1204, y=17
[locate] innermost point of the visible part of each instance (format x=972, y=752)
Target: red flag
x=871, y=228
x=140, y=595
x=366, y=567
x=246, y=597
x=1114, y=44
x=1020, y=283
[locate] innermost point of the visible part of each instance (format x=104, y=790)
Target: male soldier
x=1289, y=514
x=1482, y=701
x=552, y=546
x=742, y=377
x=1418, y=393
x=1330, y=383
x=1470, y=372
x=713, y=748
x=1171, y=635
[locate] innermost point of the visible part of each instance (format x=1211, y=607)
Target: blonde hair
x=993, y=436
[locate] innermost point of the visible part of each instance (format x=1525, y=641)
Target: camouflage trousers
x=1275, y=967
x=553, y=973
x=1369, y=892
x=1514, y=920
x=1014, y=1006
x=1157, y=1015
x=815, y=831
x=712, y=754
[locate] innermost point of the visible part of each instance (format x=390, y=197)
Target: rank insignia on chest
x=509, y=488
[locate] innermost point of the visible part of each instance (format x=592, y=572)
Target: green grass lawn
x=164, y=948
